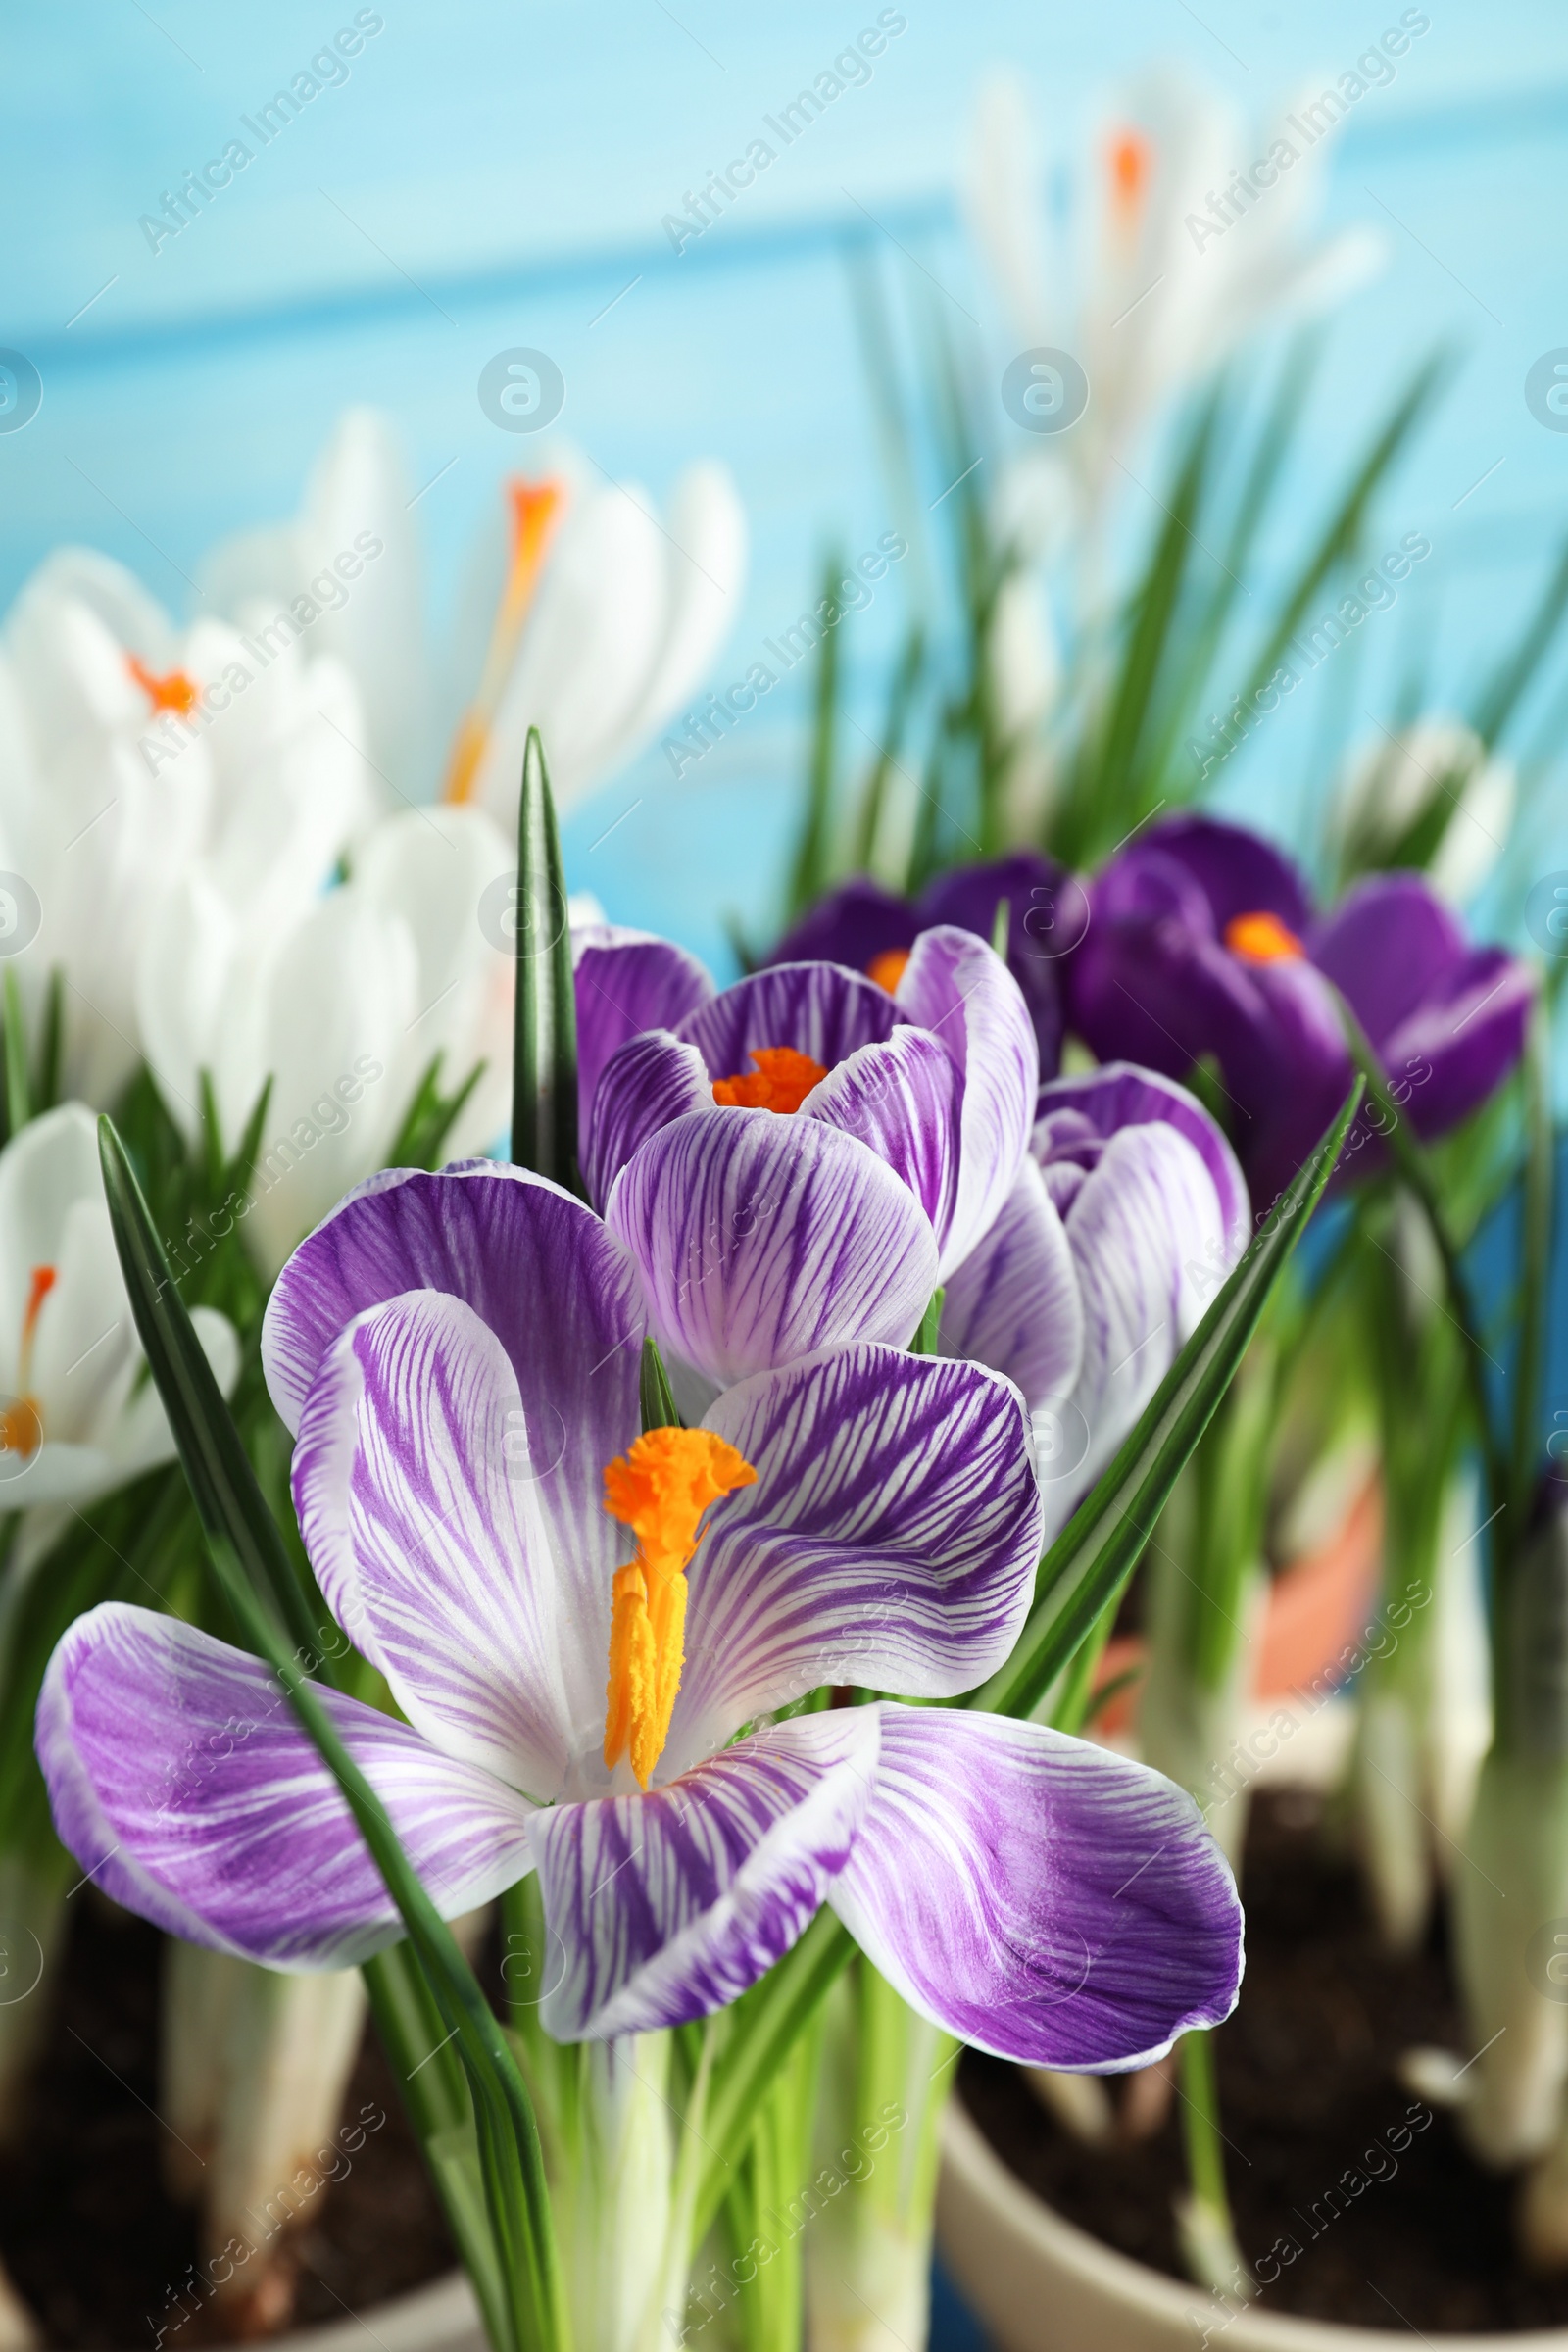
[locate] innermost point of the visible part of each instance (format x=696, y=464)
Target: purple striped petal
x=626, y=982
x=1151, y=1249
x=180, y=1779
x=891, y=1539
x=762, y=1238
x=419, y=1501
x=964, y=994
x=663, y=1908
x=650, y=1082
x=538, y=1267
x=1038, y=1896
x=819, y=1008
x=1014, y=1304
x=904, y=1101
x=1121, y=1094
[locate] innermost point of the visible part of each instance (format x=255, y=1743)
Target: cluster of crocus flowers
x=459, y=1355
x=1202, y=943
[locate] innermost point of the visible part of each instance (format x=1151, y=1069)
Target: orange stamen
x=536, y=509
x=781, y=1081
x=1262, y=938
x=887, y=969
x=21, y=1421
x=660, y=1490
x=43, y=1282
x=1131, y=158
x=177, y=692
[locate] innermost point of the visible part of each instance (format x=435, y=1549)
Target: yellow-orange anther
x=1262, y=938
x=1131, y=158
x=177, y=692
x=536, y=509
x=781, y=1081
x=21, y=1421
x=887, y=969
x=660, y=1490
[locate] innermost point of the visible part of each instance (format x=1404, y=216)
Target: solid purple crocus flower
x=459, y=1355
x=1202, y=941
x=870, y=929
x=1125, y=1219
x=935, y=1077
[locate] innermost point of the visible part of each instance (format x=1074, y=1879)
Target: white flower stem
x=886, y=2078
x=255, y=2066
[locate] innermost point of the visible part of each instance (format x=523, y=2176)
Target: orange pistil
x=21, y=1421
x=536, y=509
x=1131, y=158
x=175, y=693
x=660, y=1490
x=887, y=969
x=1262, y=938
x=781, y=1081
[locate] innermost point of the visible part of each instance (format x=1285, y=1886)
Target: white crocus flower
x=77, y=1415
x=1390, y=783
x=1171, y=267
x=344, y=1007
x=353, y=552
x=130, y=753
x=599, y=619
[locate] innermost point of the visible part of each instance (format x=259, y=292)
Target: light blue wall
x=511, y=166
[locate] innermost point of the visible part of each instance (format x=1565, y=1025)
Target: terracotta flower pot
x=1317, y=1608
x=1036, y=2280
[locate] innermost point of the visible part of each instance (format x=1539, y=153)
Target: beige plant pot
x=1040, y=2285
x=442, y=2316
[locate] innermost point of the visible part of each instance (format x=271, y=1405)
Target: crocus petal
x=1238, y=871
x=1149, y=1245
x=853, y=925
x=1470, y=1036
x=652, y=1080
x=418, y=1502
x=626, y=982
x=535, y=1265
x=760, y=1239
x=1048, y=915
x=964, y=994
x=1120, y=1095
x=181, y=1781
x=819, y=1009
x=904, y=1101
x=1388, y=945
x=1038, y=1896
x=1014, y=1304
x=891, y=1539
x=663, y=1908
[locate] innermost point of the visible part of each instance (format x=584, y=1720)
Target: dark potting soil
x=92, y=2241
x=1328, y=2153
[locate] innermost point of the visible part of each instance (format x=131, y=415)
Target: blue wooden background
x=493, y=175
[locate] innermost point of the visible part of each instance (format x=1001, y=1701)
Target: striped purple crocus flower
x=596, y=1636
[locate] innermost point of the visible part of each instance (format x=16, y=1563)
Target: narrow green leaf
x=1535, y=1273
x=247, y=1553
x=52, y=1043
x=812, y=865
x=544, y=1054
x=658, y=1403
x=1096, y=1553
x=1501, y=698
x=19, y=1107
x=924, y=1342
x=1339, y=536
